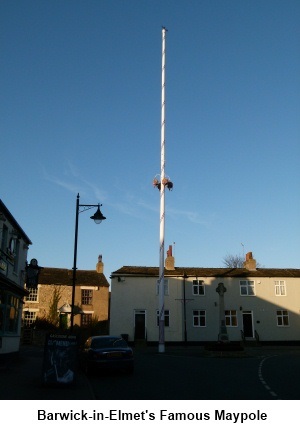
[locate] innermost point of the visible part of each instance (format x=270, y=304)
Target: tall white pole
x=161, y=343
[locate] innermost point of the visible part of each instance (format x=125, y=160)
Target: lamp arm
x=86, y=207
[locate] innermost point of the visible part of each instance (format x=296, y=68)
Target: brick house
x=91, y=296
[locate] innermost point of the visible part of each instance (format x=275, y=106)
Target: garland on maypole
x=161, y=184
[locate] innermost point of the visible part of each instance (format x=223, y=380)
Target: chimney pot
x=250, y=262
x=249, y=255
x=99, y=265
x=169, y=262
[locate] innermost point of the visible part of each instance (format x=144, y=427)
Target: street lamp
x=98, y=218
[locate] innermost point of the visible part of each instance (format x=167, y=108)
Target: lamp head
x=98, y=217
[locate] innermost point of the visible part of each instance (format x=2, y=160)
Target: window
x=12, y=245
x=29, y=318
x=86, y=319
x=167, y=318
x=198, y=288
x=282, y=318
x=16, y=260
x=9, y=313
x=230, y=319
x=166, y=287
x=280, y=288
x=33, y=295
x=199, y=318
x=86, y=297
x=247, y=288
x=2, y=311
x=4, y=238
x=13, y=314
x=3, y=296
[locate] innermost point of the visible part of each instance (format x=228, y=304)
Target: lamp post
x=98, y=218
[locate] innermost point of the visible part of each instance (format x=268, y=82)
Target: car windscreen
x=108, y=343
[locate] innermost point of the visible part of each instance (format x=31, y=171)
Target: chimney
x=99, y=265
x=250, y=262
x=169, y=262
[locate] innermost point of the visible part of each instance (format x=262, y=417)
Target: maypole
x=161, y=184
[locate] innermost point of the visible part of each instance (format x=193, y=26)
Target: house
x=14, y=244
x=207, y=304
x=54, y=289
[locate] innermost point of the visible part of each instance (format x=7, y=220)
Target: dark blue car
x=106, y=352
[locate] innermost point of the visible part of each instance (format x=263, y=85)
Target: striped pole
x=161, y=343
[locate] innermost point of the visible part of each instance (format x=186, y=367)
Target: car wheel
x=130, y=369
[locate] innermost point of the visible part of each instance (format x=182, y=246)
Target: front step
x=251, y=342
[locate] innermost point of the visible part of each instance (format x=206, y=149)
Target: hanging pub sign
x=60, y=359
x=32, y=274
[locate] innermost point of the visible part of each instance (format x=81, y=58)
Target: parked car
x=106, y=352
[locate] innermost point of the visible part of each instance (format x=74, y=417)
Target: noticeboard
x=60, y=359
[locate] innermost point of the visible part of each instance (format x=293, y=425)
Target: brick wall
x=99, y=305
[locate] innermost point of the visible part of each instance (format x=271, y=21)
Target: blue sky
x=81, y=113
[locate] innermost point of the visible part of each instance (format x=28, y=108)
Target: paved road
x=265, y=376
x=178, y=374
x=280, y=375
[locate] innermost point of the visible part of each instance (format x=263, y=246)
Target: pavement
x=22, y=379
x=22, y=376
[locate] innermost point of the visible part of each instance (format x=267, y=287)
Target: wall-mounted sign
x=3, y=266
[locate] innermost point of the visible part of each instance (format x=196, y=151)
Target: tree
x=233, y=261
x=53, y=316
x=236, y=261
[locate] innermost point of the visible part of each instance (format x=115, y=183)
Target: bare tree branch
x=233, y=261
x=236, y=261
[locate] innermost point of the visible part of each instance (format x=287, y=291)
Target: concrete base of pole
x=161, y=347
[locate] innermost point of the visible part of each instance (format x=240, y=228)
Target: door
x=139, y=325
x=247, y=324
